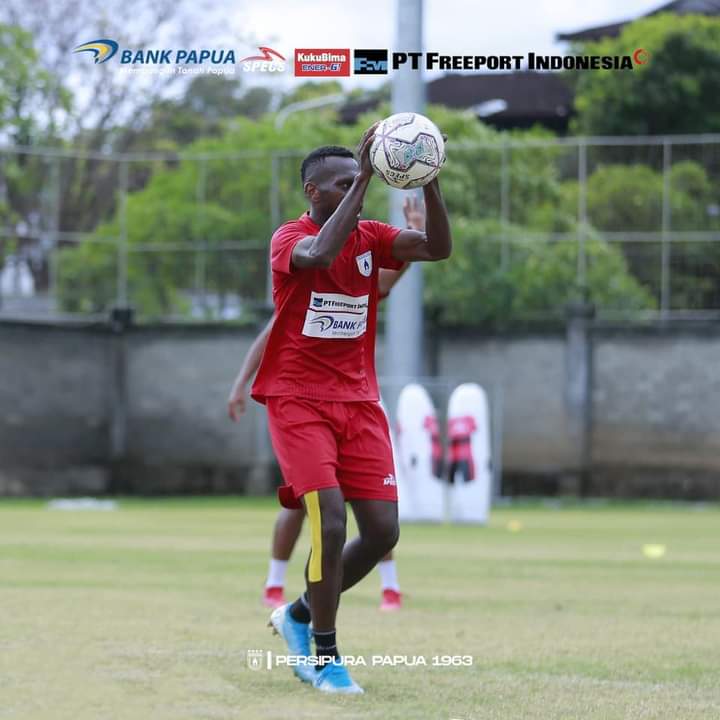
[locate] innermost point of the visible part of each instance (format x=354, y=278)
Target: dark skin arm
x=319, y=251
x=433, y=244
x=237, y=402
x=415, y=220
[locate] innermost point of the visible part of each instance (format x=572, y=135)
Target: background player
x=288, y=524
x=317, y=377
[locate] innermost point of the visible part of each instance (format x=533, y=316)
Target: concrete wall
x=656, y=412
x=651, y=412
x=66, y=426
x=179, y=436
x=53, y=408
x=178, y=385
x=527, y=376
x=87, y=410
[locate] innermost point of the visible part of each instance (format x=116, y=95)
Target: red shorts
x=323, y=444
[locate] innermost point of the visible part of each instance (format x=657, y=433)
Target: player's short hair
x=318, y=155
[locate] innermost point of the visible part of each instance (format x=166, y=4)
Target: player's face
x=336, y=179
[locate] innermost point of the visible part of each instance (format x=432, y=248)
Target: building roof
x=678, y=7
x=524, y=94
x=513, y=99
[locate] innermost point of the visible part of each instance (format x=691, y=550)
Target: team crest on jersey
x=364, y=263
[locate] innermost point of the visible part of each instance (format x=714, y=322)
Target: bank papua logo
x=370, y=62
x=268, y=61
x=324, y=321
x=322, y=62
x=102, y=49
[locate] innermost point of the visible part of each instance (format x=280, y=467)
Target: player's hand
x=237, y=403
x=435, y=181
x=414, y=212
x=363, y=151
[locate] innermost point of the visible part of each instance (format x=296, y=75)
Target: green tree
x=474, y=288
x=169, y=212
x=207, y=105
x=540, y=280
x=676, y=91
x=31, y=99
x=312, y=89
x=626, y=200
x=32, y=103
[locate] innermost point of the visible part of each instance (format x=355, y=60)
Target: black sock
x=325, y=648
x=300, y=609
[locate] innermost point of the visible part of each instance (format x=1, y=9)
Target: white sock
x=276, y=573
x=388, y=575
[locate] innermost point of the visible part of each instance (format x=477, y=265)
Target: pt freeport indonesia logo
x=335, y=316
x=370, y=62
x=531, y=61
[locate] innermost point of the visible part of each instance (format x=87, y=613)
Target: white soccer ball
x=408, y=150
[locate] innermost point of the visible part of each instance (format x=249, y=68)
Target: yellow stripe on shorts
x=312, y=504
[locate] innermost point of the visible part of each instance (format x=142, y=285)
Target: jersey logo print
x=324, y=321
x=364, y=263
x=332, y=316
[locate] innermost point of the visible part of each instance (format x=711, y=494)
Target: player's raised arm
x=322, y=189
x=436, y=242
x=237, y=400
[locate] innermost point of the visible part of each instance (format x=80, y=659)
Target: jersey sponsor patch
x=364, y=263
x=333, y=316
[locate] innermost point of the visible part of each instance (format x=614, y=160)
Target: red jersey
x=322, y=342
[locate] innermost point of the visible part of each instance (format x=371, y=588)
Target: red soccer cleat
x=273, y=597
x=391, y=600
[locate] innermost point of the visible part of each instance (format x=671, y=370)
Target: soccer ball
x=408, y=151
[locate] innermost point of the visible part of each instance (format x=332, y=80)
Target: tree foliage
x=675, y=92
x=474, y=288
x=31, y=99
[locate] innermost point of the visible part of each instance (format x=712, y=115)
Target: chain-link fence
x=632, y=224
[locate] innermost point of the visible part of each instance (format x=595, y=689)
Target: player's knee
x=393, y=537
x=387, y=536
x=333, y=532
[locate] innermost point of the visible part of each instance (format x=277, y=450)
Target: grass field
x=148, y=612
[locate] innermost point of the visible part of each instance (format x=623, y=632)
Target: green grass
x=148, y=612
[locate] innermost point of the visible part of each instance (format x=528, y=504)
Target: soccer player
x=288, y=523
x=317, y=378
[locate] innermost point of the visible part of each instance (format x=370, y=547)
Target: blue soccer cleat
x=334, y=678
x=297, y=637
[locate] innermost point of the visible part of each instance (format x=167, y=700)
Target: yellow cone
x=653, y=551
